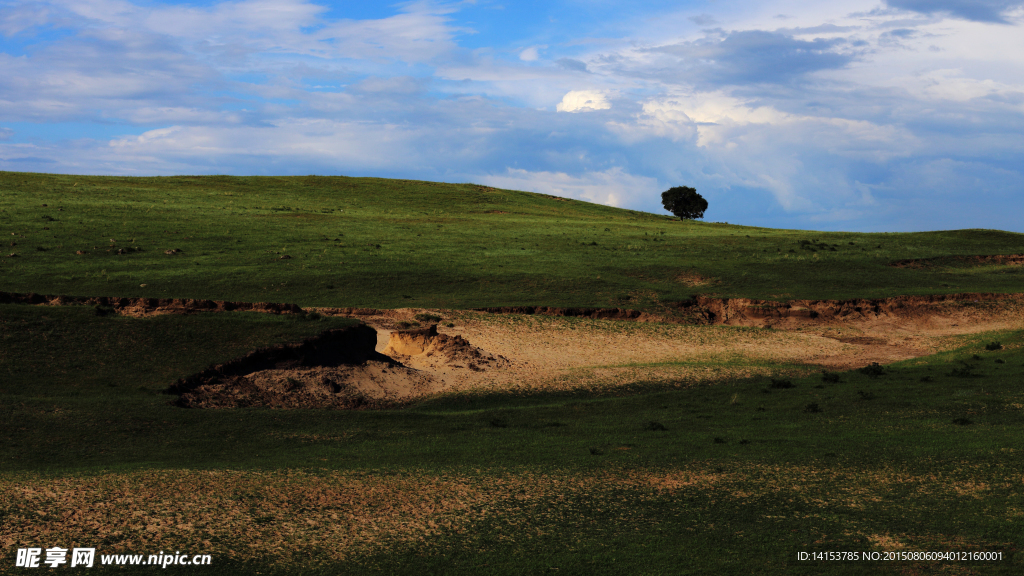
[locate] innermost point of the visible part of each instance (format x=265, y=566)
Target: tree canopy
x=684, y=202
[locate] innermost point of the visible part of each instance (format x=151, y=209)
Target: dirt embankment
x=249, y=381
x=338, y=369
x=749, y=312
x=427, y=349
x=698, y=310
x=981, y=260
x=382, y=363
x=765, y=313
x=150, y=306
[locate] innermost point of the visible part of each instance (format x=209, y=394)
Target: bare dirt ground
x=536, y=352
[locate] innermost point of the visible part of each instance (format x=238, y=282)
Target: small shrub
x=102, y=310
x=719, y=440
x=425, y=317
x=866, y=395
x=873, y=370
x=975, y=357
x=927, y=379
x=965, y=371
x=311, y=316
x=830, y=377
x=405, y=324
x=499, y=423
x=812, y=408
x=596, y=451
x=450, y=325
x=1000, y=361
x=993, y=346
x=781, y=384
x=655, y=426
x=963, y=421
x=744, y=441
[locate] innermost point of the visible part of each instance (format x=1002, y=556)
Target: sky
x=861, y=115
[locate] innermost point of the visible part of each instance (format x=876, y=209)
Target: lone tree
x=684, y=202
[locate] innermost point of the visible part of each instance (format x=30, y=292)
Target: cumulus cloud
x=6, y=133
x=583, y=100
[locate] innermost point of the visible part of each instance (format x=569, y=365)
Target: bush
x=965, y=371
x=812, y=408
x=830, y=377
x=993, y=346
x=873, y=370
x=781, y=384
x=655, y=426
x=424, y=317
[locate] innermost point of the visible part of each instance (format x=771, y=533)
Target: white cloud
x=613, y=187
x=348, y=144
x=530, y=54
x=582, y=100
x=841, y=114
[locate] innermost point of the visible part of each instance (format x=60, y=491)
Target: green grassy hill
x=734, y=477
x=393, y=243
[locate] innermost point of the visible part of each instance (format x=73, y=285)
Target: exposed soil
x=549, y=348
x=429, y=348
x=150, y=306
x=339, y=369
x=997, y=259
x=371, y=384
x=769, y=313
x=383, y=363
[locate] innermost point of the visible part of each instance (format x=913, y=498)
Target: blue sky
x=874, y=115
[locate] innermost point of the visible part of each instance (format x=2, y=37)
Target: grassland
x=391, y=243
x=732, y=476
